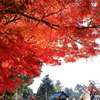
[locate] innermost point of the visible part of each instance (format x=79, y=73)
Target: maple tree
x=93, y=88
x=33, y=32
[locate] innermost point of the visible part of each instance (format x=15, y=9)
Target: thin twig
x=75, y=40
x=12, y=21
x=53, y=13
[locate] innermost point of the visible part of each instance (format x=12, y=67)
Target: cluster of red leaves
x=17, y=57
x=33, y=32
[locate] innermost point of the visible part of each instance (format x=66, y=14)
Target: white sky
x=71, y=74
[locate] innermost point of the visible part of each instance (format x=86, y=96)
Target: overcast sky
x=71, y=74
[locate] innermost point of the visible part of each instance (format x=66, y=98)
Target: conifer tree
x=46, y=89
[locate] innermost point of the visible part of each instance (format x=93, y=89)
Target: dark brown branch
x=53, y=13
x=75, y=40
x=49, y=8
x=48, y=14
x=98, y=26
x=30, y=38
x=53, y=26
x=97, y=30
x=36, y=19
x=93, y=18
x=12, y=20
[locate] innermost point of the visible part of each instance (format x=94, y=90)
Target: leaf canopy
x=33, y=32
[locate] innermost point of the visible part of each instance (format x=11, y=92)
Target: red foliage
x=33, y=32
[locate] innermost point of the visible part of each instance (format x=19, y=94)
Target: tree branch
x=40, y=20
x=53, y=26
x=12, y=20
x=53, y=13
x=75, y=40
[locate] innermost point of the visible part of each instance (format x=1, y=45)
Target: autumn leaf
x=33, y=32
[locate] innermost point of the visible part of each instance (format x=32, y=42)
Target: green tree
x=58, y=86
x=78, y=88
x=68, y=91
x=25, y=91
x=58, y=83
x=27, y=94
x=46, y=88
x=7, y=96
x=76, y=92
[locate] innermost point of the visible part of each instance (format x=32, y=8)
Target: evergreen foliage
x=46, y=89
